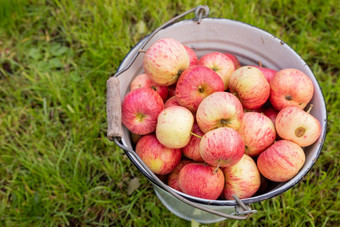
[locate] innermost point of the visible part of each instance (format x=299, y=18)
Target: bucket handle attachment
x=114, y=117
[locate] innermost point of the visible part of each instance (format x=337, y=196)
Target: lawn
x=57, y=167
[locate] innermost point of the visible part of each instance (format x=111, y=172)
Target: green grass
x=57, y=168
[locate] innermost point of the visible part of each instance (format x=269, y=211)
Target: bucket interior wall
x=250, y=45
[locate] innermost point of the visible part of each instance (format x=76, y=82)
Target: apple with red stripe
x=220, y=109
x=171, y=102
x=165, y=60
x=201, y=180
x=196, y=83
x=221, y=64
x=142, y=80
x=222, y=147
x=234, y=59
x=290, y=87
x=242, y=179
x=250, y=86
x=281, y=161
x=267, y=72
x=193, y=60
x=271, y=113
x=140, y=110
x=173, y=176
x=293, y=123
x=192, y=149
x=160, y=159
x=257, y=131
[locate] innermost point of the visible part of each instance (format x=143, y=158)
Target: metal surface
x=250, y=45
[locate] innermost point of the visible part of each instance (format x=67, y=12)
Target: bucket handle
x=114, y=115
x=200, y=13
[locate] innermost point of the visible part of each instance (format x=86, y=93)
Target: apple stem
x=260, y=64
x=141, y=50
x=217, y=167
x=196, y=135
x=310, y=108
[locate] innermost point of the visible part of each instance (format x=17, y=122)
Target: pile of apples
x=212, y=128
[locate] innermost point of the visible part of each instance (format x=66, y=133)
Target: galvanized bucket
x=251, y=45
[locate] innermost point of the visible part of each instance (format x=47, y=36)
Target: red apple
x=174, y=125
x=173, y=176
x=257, y=110
x=142, y=80
x=171, y=102
x=294, y=124
x=234, y=59
x=140, y=109
x=221, y=64
x=250, y=86
x=271, y=113
x=257, y=132
x=192, y=55
x=290, y=87
x=200, y=180
x=196, y=83
x=281, y=161
x=220, y=109
x=192, y=149
x=165, y=60
x=267, y=72
x=222, y=147
x=171, y=90
x=242, y=179
x=160, y=159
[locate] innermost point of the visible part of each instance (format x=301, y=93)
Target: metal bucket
x=251, y=45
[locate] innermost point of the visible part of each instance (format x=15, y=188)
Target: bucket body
x=251, y=45
x=188, y=212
